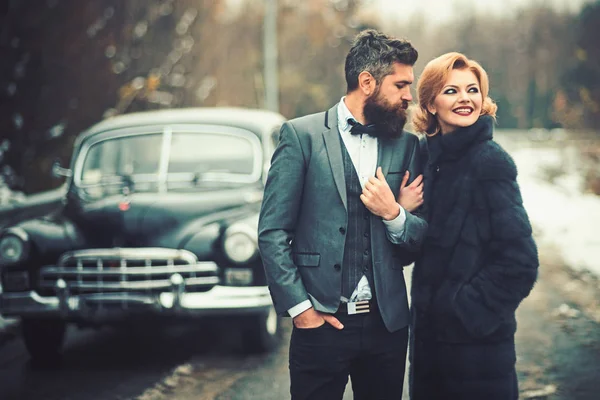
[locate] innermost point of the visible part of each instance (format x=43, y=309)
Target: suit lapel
x=385, y=151
x=333, y=145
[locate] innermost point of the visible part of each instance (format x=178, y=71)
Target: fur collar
x=454, y=144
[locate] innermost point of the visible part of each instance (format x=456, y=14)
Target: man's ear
x=366, y=83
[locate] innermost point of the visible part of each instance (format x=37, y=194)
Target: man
x=333, y=238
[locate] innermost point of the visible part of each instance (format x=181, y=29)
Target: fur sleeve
x=511, y=259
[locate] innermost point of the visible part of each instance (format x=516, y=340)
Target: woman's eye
x=449, y=91
x=474, y=90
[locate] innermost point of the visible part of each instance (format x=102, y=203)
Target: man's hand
x=411, y=196
x=312, y=318
x=378, y=197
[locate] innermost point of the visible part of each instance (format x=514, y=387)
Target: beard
x=389, y=119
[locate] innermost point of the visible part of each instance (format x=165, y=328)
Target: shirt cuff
x=395, y=227
x=299, y=308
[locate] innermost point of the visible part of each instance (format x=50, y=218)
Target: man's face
x=395, y=87
x=387, y=105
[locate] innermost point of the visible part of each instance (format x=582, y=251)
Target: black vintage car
x=160, y=218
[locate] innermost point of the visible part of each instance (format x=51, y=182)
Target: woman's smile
x=464, y=111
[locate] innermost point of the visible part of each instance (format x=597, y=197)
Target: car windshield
x=133, y=155
x=169, y=161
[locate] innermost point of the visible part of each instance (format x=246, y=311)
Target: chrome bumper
x=220, y=300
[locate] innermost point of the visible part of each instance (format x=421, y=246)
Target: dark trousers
x=321, y=360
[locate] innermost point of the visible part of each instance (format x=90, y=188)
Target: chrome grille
x=140, y=270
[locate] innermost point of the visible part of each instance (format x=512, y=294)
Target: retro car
x=159, y=218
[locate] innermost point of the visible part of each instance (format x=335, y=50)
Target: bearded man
x=336, y=228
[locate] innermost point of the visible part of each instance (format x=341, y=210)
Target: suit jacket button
x=337, y=267
x=343, y=230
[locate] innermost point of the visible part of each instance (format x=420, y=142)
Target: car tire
x=43, y=339
x=262, y=332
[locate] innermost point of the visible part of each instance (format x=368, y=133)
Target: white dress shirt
x=363, y=152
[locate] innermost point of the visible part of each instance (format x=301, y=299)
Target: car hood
x=145, y=219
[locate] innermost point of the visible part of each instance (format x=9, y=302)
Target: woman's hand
x=411, y=196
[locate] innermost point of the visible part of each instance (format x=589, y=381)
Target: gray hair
x=376, y=53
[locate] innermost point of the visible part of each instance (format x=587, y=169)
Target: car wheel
x=43, y=339
x=262, y=332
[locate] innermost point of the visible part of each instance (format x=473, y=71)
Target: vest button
x=366, y=252
x=343, y=230
x=337, y=267
x=366, y=234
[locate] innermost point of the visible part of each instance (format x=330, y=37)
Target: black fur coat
x=479, y=260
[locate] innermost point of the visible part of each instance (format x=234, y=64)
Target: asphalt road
x=104, y=364
x=196, y=362
x=558, y=336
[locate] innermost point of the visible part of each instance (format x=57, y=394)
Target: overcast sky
x=443, y=10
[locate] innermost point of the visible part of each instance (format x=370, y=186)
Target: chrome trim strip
x=115, y=297
x=163, y=165
x=220, y=300
x=131, y=271
x=135, y=285
x=138, y=254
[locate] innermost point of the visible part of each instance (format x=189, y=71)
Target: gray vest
x=357, y=250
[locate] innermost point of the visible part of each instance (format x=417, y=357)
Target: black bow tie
x=359, y=129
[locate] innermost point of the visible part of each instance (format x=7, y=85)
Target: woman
x=479, y=260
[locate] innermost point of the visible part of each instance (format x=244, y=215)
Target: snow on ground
x=562, y=215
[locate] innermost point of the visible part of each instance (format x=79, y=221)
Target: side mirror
x=59, y=172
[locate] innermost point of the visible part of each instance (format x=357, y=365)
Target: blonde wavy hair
x=433, y=79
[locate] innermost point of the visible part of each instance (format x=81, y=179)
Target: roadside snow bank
x=562, y=215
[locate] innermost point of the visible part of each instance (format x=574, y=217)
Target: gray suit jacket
x=300, y=233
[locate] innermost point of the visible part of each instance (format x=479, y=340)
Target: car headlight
x=14, y=246
x=240, y=244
